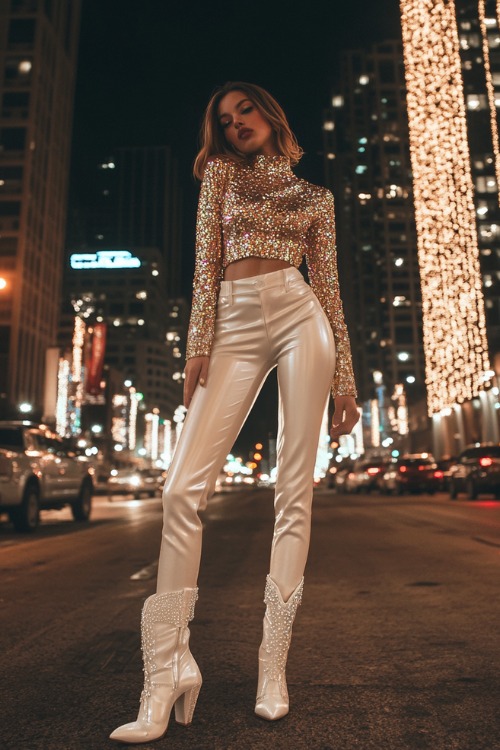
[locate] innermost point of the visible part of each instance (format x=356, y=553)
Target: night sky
x=147, y=69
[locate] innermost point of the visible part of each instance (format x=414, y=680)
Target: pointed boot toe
x=272, y=708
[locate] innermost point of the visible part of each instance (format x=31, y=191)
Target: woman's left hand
x=345, y=416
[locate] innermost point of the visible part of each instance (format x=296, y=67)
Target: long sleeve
x=321, y=258
x=208, y=263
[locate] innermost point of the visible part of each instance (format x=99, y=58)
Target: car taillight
x=485, y=461
x=439, y=474
x=373, y=470
x=403, y=468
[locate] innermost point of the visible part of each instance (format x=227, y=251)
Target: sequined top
x=262, y=209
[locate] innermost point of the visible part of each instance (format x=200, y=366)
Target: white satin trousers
x=265, y=321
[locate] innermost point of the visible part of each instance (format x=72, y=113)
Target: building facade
x=367, y=166
x=38, y=52
x=145, y=331
x=132, y=199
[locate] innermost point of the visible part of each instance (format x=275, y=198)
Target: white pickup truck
x=38, y=470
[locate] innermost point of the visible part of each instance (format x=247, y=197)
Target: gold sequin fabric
x=262, y=209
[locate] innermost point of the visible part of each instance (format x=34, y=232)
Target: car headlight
x=135, y=481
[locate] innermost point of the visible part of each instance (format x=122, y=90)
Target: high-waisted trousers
x=265, y=321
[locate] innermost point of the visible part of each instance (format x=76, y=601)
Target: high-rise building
x=146, y=332
x=452, y=68
x=133, y=199
x=38, y=51
x=367, y=166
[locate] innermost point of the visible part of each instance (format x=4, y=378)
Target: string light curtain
x=456, y=350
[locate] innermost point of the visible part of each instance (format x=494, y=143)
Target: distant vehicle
x=477, y=470
x=412, y=473
x=38, y=471
x=137, y=481
x=365, y=475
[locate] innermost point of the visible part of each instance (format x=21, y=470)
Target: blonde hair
x=213, y=142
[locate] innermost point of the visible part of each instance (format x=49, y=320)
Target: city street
x=395, y=646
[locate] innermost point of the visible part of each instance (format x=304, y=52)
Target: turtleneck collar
x=279, y=165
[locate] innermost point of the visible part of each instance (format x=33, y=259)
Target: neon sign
x=104, y=259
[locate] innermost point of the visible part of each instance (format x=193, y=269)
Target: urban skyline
x=138, y=204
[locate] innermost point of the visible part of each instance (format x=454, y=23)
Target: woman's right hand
x=195, y=371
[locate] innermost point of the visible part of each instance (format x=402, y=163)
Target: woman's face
x=244, y=128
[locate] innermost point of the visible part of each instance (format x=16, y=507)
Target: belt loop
x=286, y=279
x=226, y=290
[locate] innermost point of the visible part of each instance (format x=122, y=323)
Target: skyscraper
x=133, y=199
x=367, y=165
x=38, y=49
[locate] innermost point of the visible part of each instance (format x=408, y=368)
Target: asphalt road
x=396, y=645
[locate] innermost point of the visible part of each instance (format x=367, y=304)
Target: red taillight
x=439, y=474
x=486, y=461
x=403, y=468
x=422, y=467
x=373, y=470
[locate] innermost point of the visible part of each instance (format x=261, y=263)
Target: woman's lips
x=244, y=133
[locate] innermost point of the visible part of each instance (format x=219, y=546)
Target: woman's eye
x=243, y=112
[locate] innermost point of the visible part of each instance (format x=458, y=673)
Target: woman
x=252, y=311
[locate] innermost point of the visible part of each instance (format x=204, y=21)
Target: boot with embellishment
x=272, y=693
x=171, y=675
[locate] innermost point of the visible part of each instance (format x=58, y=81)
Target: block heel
x=185, y=705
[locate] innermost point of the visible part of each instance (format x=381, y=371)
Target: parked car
x=476, y=470
x=412, y=473
x=443, y=472
x=365, y=475
x=38, y=471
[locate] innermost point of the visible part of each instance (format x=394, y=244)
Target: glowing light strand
x=490, y=91
x=454, y=332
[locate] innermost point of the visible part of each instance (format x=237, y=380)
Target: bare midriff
x=253, y=266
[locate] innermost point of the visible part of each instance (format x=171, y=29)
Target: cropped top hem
x=262, y=209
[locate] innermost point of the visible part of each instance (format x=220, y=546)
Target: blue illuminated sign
x=104, y=259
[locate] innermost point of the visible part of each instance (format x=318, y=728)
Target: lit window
x=25, y=66
x=477, y=101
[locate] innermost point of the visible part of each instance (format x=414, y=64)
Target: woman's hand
x=345, y=417
x=195, y=371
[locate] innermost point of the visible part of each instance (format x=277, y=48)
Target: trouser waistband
x=282, y=276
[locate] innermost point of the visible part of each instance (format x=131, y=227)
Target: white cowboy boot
x=272, y=693
x=171, y=675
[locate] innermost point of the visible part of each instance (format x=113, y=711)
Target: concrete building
x=367, y=166
x=38, y=51
x=145, y=331
x=132, y=199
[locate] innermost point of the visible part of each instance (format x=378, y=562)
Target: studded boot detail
x=272, y=693
x=171, y=675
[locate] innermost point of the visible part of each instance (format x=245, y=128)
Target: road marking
x=145, y=574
